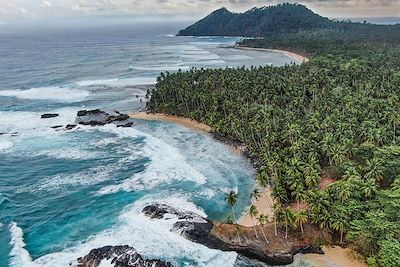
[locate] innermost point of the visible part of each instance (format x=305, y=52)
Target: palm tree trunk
x=233, y=214
x=275, y=226
x=341, y=237
x=262, y=230
x=240, y=242
x=301, y=227
x=286, y=235
x=254, y=226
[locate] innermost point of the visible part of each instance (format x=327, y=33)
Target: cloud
x=38, y=8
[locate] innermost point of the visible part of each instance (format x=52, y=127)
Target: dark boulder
x=126, y=125
x=49, y=115
x=56, y=126
x=97, y=111
x=92, y=123
x=120, y=256
x=70, y=126
x=118, y=117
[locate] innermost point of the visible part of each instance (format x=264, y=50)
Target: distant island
x=267, y=21
x=324, y=134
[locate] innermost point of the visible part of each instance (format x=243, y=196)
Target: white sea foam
x=68, y=153
x=19, y=255
x=200, y=57
x=48, y=93
x=161, y=67
x=237, y=57
x=119, y=82
x=21, y=121
x=167, y=165
x=151, y=238
x=90, y=176
x=4, y=145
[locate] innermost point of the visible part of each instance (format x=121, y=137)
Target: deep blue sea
x=63, y=193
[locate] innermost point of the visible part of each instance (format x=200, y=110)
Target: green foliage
x=336, y=117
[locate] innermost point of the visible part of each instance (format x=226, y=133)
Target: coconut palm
x=340, y=224
x=231, y=199
x=301, y=218
x=288, y=219
x=253, y=214
x=263, y=219
x=256, y=194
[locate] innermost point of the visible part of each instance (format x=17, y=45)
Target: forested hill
x=265, y=21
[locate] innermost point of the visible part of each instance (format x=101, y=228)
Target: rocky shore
x=232, y=237
x=118, y=256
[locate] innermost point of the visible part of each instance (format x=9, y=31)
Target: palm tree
x=288, y=217
x=301, y=218
x=256, y=193
x=369, y=188
x=340, y=224
x=374, y=169
x=263, y=219
x=253, y=214
x=231, y=199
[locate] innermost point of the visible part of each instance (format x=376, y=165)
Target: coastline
x=287, y=53
x=341, y=257
x=195, y=125
x=264, y=204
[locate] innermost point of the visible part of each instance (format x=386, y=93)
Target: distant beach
x=288, y=53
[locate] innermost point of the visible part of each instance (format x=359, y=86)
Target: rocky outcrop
x=126, y=125
x=97, y=117
x=223, y=236
x=119, y=256
x=48, y=115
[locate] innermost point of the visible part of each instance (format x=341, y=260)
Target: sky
x=17, y=9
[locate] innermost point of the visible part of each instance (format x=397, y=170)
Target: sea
x=63, y=193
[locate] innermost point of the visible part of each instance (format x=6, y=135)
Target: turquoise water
x=63, y=193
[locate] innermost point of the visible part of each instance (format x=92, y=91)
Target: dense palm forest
x=267, y=21
x=327, y=132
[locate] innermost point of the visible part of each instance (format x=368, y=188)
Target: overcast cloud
x=61, y=8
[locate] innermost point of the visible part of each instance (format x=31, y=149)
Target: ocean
x=63, y=193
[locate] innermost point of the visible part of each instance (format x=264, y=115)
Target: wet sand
x=178, y=120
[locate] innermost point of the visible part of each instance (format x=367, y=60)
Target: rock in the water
x=49, y=115
x=97, y=117
x=90, y=112
x=70, y=126
x=119, y=256
x=126, y=125
x=56, y=126
x=92, y=123
x=119, y=117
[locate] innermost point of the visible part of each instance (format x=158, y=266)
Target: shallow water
x=63, y=193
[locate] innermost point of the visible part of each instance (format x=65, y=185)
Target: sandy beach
x=264, y=204
x=288, y=53
x=341, y=257
x=178, y=120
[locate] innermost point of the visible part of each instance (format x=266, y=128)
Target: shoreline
x=287, y=53
x=264, y=204
x=189, y=123
x=342, y=257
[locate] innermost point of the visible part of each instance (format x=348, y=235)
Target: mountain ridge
x=268, y=20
